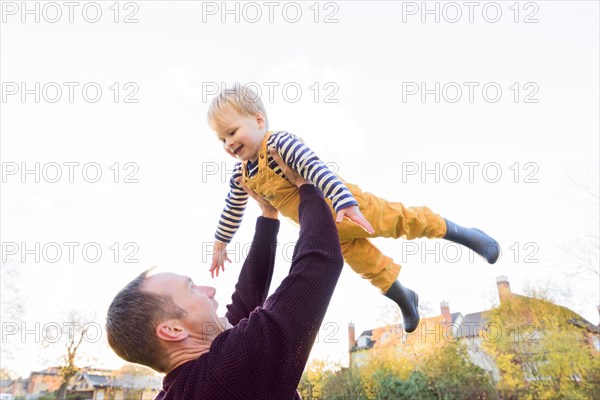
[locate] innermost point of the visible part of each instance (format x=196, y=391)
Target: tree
x=344, y=384
x=582, y=250
x=389, y=359
x=74, y=332
x=11, y=307
x=451, y=374
x=6, y=374
x=313, y=379
x=541, y=350
x=134, y=379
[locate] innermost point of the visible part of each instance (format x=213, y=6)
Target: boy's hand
x=353, y=214
x=218, y=258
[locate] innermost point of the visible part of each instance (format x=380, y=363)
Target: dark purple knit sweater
x=264, y=354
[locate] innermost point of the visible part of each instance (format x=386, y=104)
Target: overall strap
x=263, y=155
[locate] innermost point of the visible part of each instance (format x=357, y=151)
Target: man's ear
x=171, y=331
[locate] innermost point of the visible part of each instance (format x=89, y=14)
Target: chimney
x=446, y=312
x=351, y=335
x=351, y=342
x=503, y=288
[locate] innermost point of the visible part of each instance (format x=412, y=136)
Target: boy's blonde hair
x=241, y=98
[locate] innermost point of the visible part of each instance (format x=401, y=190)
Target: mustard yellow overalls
x=388, y=219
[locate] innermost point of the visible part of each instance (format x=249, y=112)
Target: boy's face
x=241, y=134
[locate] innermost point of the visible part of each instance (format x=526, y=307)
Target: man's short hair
x=131, y=324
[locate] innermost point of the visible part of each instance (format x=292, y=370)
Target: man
x=260, y=348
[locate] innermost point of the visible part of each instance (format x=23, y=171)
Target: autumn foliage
x=529, y=349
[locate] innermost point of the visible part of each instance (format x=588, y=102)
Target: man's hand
x=353, y=214
x=268, y=211
x=289, y=173
x=218, y=258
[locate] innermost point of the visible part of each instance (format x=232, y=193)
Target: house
x=42, y=382
x=5, y=385
x=19, y=387
x=471, y=329
x=87, y=384
x=16, y=387
x=432, y=328
x=110, y=385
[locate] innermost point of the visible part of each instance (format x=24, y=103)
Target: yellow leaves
x=530, y=348
x=540, y=353
x=511, y=372
x=315, y=375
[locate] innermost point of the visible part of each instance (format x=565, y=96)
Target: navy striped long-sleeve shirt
x=299, y=157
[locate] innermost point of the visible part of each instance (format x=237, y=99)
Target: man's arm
x=266, y=353
x=255, y=277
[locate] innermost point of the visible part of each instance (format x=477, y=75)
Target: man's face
x=199, y=303
x=241, y=135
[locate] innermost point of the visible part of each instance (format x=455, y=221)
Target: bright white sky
x=373, y=61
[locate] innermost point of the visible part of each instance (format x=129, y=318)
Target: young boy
x=239, y=119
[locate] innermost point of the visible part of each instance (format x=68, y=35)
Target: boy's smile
x=241, y=135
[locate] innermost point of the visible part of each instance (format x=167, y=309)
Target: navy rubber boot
x=474, y=239
x=408, y=301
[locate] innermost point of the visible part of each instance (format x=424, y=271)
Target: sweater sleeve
x=235, y=205
x=255, y=276
x=304, y=161
x=264, y=355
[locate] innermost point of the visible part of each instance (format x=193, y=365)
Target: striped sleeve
x=304, y=161
x=233, y=212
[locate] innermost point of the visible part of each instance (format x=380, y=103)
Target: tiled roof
x=138, y=382
x=584, y=323
x=370, y=344
x=454, y=316
x=97, y=380
x=367, y=333
x=123, y=381
x=47, y=371
x=471, y=325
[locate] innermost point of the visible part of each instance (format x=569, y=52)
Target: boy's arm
x=233, y=212
x=305, y=162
